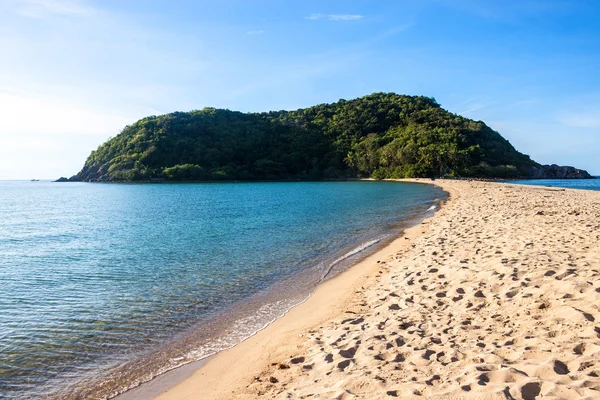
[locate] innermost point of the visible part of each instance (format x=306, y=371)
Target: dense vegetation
x=383, y=135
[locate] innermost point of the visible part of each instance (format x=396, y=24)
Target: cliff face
x=88, y=174
x=559, y=172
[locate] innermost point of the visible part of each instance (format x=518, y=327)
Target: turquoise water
x=588, y=184
x=103, y=286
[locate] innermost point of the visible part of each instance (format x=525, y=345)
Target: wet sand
x=496, y=297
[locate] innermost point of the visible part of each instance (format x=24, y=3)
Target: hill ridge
x=381, y=135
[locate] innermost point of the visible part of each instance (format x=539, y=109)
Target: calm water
x=589, y=184
x=103, y=286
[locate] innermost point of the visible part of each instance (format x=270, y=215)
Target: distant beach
x=495, y=297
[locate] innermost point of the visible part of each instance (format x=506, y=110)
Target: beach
x=495, y=297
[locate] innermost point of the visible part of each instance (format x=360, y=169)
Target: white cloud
x=257, y=32
x=335, y=17
x=314, y=17
x=44, y=8
x=345, y=17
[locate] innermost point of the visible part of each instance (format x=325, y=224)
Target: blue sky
x=75, y=72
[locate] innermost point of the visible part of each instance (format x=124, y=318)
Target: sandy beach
x=495, y=297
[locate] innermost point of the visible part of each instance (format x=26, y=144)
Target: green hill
x=382, y=135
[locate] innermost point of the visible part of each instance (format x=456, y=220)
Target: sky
x=73, y=73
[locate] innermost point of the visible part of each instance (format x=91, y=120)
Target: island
x=379, y=136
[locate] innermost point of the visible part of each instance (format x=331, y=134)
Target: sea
x=105, y=286
x=587, y=184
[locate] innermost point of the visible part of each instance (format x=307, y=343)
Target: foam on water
x=351, y=253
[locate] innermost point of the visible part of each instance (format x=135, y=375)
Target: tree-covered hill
x=382, y=135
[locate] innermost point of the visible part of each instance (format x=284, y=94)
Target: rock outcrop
x=559, y=172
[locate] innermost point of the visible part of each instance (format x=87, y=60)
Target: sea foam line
x=349, y=254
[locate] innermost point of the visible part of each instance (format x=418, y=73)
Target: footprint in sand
x=428, y=354
x=483, y=379
x=579, y=349
x=531, y=390
x=348, y=353
x=343, y=365
x=561, y=368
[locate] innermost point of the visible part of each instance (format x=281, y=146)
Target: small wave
x=349, y=254
x=240, y=329
x=249, y=326
x=244, y=328
x=432, y=208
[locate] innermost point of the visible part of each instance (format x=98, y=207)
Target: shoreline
x=494, y=297
x=184, y=381
x=348, y=259
x=217, y=286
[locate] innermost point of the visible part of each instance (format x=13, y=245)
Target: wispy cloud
x=345, y=17
x=257, y=32
x=472, y=107
x=581, y=120
x=314, y=17
x=44, y=8
x=335, y=17
x=524, y=103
